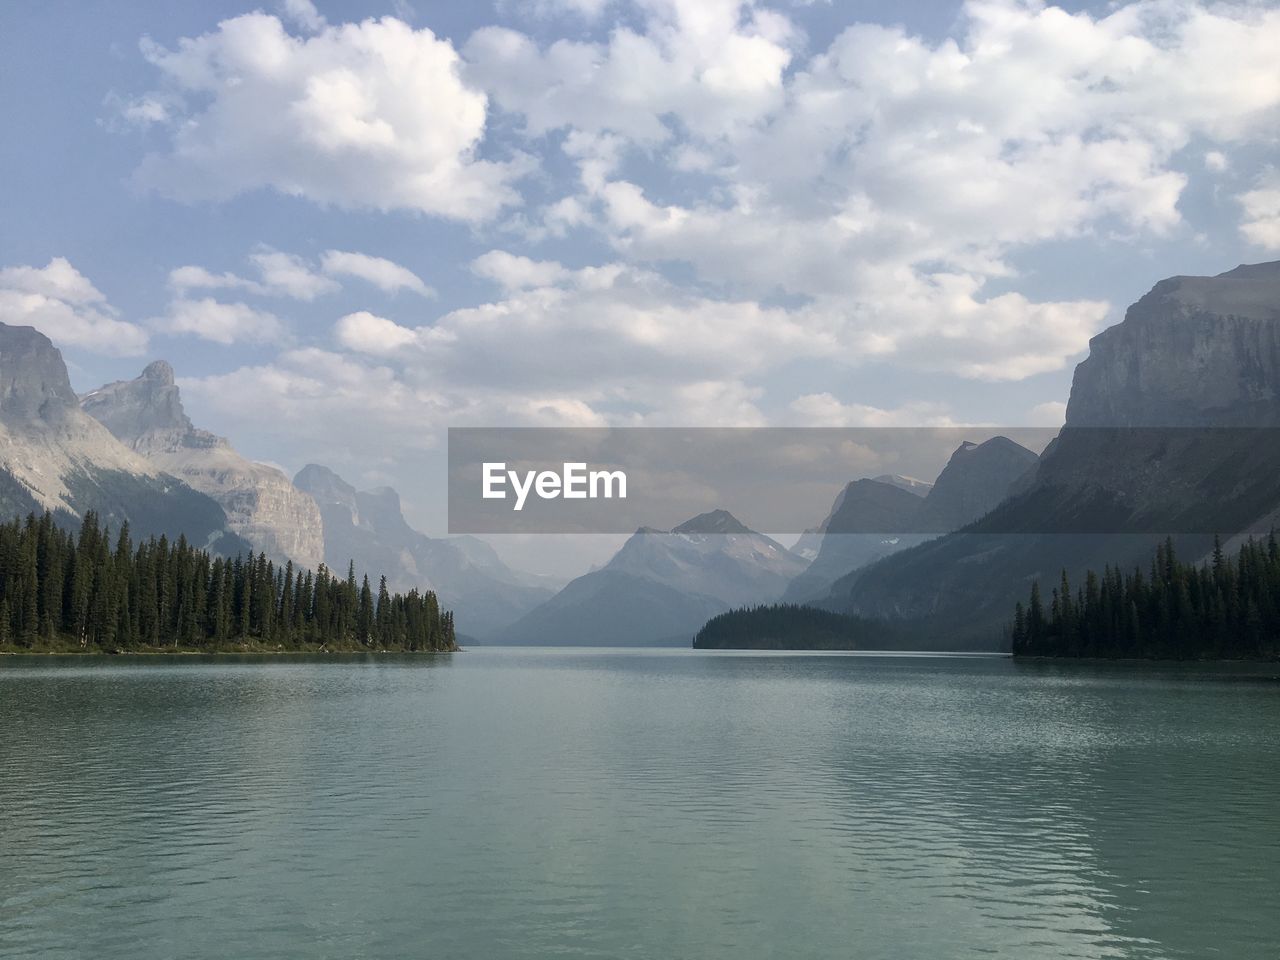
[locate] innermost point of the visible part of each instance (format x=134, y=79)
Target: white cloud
x=218, y=322
x=62, y=303
x=364, y=332
x=513, y=272
x=386, y=275
x=713, y=66
x=889, y=178
x=280, y=275
x=192, y=277
x=1262, y=212
x=368, y=115
x=290, y=275
x=1216, y=161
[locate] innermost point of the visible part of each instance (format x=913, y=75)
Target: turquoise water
x=637, y=804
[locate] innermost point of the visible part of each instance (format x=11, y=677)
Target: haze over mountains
x=662, y=585
x=368, y=527
x=872, y=519
x=1195, y=352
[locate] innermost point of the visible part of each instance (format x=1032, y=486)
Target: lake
x=536, y=803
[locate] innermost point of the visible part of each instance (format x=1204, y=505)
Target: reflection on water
x=528, y=803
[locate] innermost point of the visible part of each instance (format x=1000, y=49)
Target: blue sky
x=349, y=233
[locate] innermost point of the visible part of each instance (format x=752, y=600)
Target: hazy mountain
x=54, y=456
x=920, y=488
x=809, y=545
x=369, y=528
x=872, y=519
x=261, y=505
x=1194, y=352
x=663, y=585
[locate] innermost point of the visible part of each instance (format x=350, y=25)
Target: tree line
x=788, y=626
x=1225, y=608
x=87, y=590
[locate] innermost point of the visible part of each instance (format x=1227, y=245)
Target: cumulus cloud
x=368, y=115
x=62, y=303
x=364, y=332
x=1261, y=207
x=224, y=323
x=889, y=178
x=384, y=274
x=513, y=272
x=290, y=275
x=712, y=66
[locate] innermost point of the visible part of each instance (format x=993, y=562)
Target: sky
x=351, y=225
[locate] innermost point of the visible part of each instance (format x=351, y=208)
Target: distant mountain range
x=128, y=451
x=872, y=519
x=942, y=561
x=663, y=585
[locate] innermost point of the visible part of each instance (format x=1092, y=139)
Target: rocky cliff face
x=368, y=528
x=1195, y=351
x=261, y=505
x=55, y=457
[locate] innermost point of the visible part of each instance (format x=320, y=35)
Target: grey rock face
x=1195, y=351
x=974, y=481
x=54, y=456
x=261, y=505
x=34, y=388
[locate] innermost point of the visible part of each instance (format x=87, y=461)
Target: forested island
x=789, y=626
x=88, y=591
x=1227, y=608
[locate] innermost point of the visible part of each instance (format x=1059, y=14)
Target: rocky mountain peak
x=873, y=506
x=1194, y=351
x=143, y=412
x=976, y=478
x=714, y=521
x=34, y=386
x=160, y=371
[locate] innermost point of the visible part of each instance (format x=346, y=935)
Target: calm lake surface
x=658, y=804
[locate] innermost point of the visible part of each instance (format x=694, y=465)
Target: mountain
x=367, y=527
x=809, y=545
x=261, y=505
x=663, y=585
x=1144, y=452
x=872, y=519
x=920, y=488
x=54, y=456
